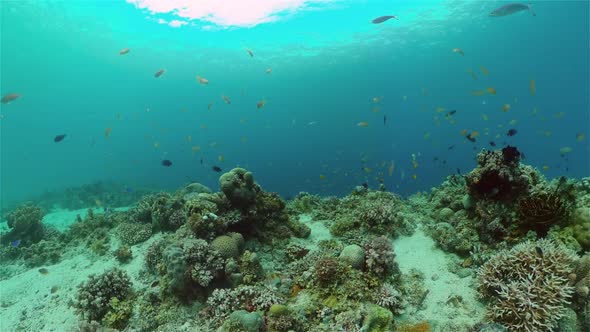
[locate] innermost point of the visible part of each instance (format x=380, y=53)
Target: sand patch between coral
x=419, y=252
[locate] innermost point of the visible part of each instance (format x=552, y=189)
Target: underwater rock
x=467, y=202
x=353, y=255
x=445, y=214
x=239, y=187
x=378, y=319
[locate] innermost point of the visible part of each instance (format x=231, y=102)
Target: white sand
x=419, y=252
x=26, y=303
x=62, y=218
x=319, y=232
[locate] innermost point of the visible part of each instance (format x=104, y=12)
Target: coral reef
x=123, y=254
x=527, y=286
x=25, y=224
x=133, y=233
x=95, y=296
x=239, y=187
x=380, y=258
x=499, y=176
x=354, y=255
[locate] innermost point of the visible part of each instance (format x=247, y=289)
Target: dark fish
x=166, y=163
x=159, y=73
x=512, y=132
x=435, y=159
x=510, y=9
x=216, y=169
x=155, y=283
x=54, y=289
x=382, y=19
x=9, y=97
x=451, y=147
x=365, y=185
x=15, y=243
x=43, y=271
x=201, y=161
x=471, y=139
x=384, y=119
x=458, y=171
x=492, y=143
x=451, y=112
x=59, y=138
x=539, y=251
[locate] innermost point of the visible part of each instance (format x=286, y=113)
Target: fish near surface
x=382, y=19
x=9, y=97
x=510, y=9
x=159, y=73
x=124, y=51
x=59, y=138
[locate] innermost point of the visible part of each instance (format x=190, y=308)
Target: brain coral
x=527, y=286
x=353, y=255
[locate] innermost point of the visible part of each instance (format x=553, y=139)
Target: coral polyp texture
x=527, y=286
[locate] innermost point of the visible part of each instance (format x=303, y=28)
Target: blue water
x=328, y=63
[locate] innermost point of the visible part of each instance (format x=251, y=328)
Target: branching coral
x=527, y=286
x=95, y=295
x=25, y=224
x=225, y=300
x=379, y=257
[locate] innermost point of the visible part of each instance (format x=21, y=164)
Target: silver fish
x=382, y=19
x=510, y=9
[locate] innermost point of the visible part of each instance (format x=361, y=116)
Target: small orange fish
x=250, y=52
x=124, y=51
x=202, y=80
x=376, y=100
x=580, y=137
x=107, y=132
x=226, y=99
x=506, y=108
x=491, y=91
x=474, y=134
x=533, y=87
x=478, y=92
x=375, y=109
x=43, y=271
x=196, y=148
x=159, y=73
x=414, y=164
x=484, y=70
x=221, y=158
x=545, y=167
x=464, y=132
x=9, y=97
x=322, y=177
x=458, y=51
x=261, y=104
x=268, y=70
x=363, y=124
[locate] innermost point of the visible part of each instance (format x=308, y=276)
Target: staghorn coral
x=527, y=286
x=95, y=295
x=225, y=300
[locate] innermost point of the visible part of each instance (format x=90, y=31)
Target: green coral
x=242, y=321
x=42, y=253
x=226, y=246
x=119, y=313
x=123, y=254
x=378, y=319
x=354, y=255
x=580, y=220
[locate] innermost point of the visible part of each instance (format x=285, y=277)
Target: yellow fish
x=472, y=73
x=485, y=117
x=565, y=150
x=414, y=176
x=367, y=170
x=107, y=132
x=322, y=177
x=221, y=158
x=545, y=167
x=533, y=87
x=478, y=92
x=484, y=70
x=506, y=108
x=491, y=90
x=196, y=148
x=414, y=164
x=156, y=145
x=391, y=168
x=203, y=126
x=376, y=100
x=363, y=124
x=375, y=109
x=458, y=51
x=580, y=137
